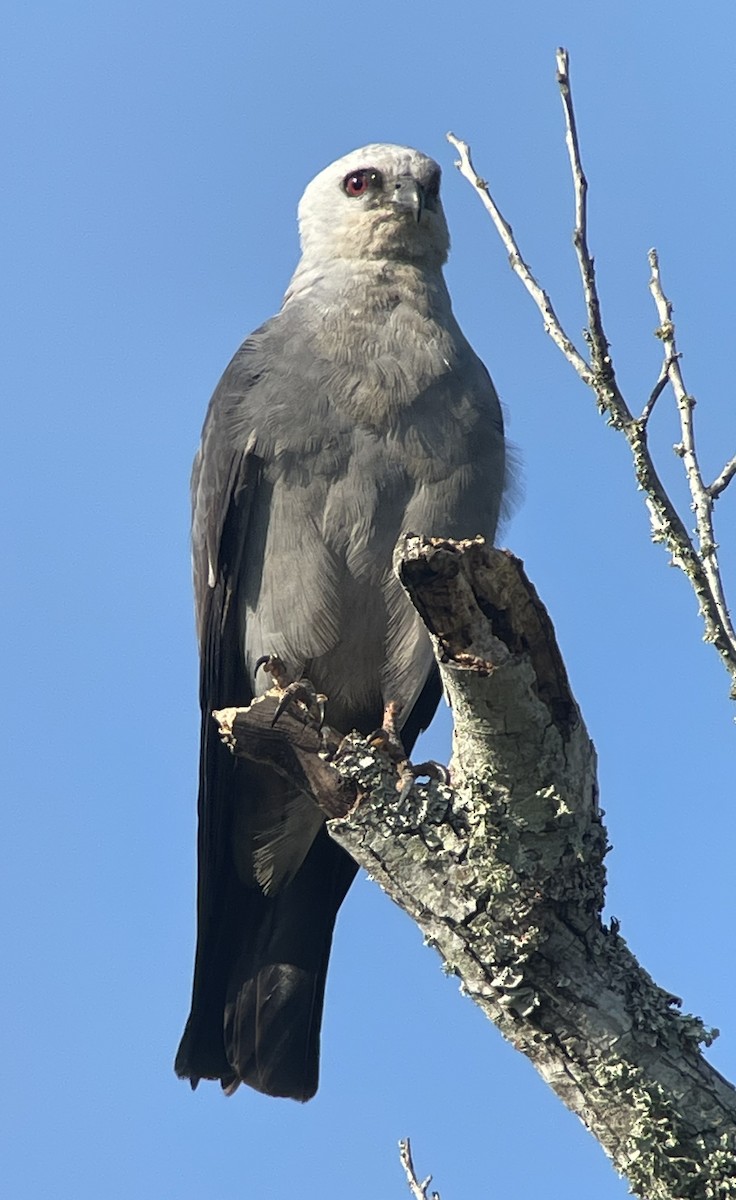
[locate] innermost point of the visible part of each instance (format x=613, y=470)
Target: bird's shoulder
x=275, y=391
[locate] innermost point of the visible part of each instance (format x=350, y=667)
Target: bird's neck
x=370, y=287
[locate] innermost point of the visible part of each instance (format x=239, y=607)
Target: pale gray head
x=379, y=202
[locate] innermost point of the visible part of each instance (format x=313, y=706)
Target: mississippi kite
x=357, y=413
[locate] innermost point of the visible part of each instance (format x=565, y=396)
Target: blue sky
x=154, y=156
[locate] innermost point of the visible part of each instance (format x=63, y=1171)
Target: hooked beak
x=409, y=194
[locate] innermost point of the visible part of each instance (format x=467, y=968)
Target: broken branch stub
x=504, y=875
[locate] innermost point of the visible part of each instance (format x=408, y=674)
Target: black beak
x=409, y=194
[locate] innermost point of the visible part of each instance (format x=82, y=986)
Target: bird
x=357, y=413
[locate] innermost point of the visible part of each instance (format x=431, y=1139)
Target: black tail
x=257, y=1009
x=273, y=1009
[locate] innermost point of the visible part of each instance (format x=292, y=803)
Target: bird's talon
x=302, y=692
x=432, y=770
x=409, y=773
x=274, y=667
x=379, y=739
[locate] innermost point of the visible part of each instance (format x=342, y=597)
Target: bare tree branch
x=503, y=873
x=702, y=497
x=700, y=564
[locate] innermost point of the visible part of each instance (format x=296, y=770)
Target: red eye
x=357, y=183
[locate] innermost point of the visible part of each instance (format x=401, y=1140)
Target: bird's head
x=379, y=202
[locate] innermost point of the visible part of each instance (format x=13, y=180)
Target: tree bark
x=503, y=872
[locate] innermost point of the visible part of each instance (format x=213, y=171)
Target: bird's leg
x=388, y=739
x=387, y=736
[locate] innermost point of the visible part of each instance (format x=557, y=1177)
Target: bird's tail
x=268, y=1030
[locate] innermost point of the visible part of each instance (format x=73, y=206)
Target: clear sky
x=153, y=157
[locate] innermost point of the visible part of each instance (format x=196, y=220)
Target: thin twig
x=596, y=337
x=656, y=392
x=417, y=1189
x=551, y=321
x=721, y=482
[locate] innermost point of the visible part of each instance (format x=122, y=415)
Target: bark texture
x=503, y=872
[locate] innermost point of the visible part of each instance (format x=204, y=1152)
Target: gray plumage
x=357, y=413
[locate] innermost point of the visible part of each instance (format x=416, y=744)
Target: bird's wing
x=224, y=482
x=270, y=881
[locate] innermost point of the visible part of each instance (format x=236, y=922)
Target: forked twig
x=697, y=558
x=702, y=496
x=417, y=1189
